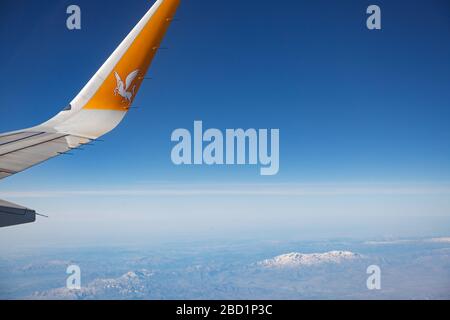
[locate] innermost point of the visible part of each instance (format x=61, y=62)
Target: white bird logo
x=123, y=89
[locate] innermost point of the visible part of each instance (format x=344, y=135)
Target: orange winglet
x=119, y=89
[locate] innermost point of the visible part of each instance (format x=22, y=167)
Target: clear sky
x=354, y=107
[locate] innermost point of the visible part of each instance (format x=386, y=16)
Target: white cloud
x=292, y=190
x=409, y=241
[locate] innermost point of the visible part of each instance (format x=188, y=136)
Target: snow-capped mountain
x=133, y=284
x=296, y=259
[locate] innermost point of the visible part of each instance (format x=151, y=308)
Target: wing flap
x=13, y=137
x=27, y=152
x=4, y=174
x=12, y=214
x=33, y=140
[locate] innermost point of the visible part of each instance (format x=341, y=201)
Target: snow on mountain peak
x=295, y=259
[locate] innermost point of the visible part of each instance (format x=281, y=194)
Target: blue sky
x=353, y=106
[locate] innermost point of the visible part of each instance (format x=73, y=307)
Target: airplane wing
x=95, y=111
x=24, y=149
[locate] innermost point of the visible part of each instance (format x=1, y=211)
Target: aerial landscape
x=411, y=269
x=224, y=150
